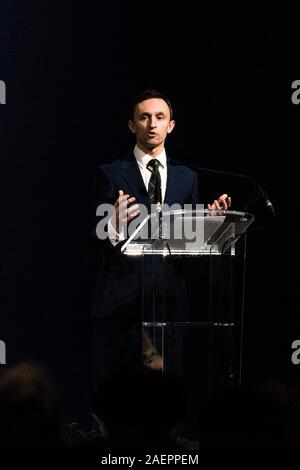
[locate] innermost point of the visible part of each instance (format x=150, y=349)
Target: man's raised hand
x=123, y=213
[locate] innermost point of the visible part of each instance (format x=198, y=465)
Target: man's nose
x=152, y=122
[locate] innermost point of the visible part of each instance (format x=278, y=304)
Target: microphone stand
x=268, y=204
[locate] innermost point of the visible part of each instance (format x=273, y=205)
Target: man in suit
x=144, y=176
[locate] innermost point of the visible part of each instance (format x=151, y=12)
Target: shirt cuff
x=114, y=236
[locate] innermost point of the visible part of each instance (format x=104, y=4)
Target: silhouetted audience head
x=29, y=409
x=140, y=407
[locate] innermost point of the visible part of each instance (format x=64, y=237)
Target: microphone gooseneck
x=267, y=203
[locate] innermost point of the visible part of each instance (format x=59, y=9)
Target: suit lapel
x=173, y=183
x=132, y=175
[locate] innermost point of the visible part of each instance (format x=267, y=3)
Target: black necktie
x=154, y=188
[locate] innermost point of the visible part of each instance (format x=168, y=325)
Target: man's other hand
x=222, y=203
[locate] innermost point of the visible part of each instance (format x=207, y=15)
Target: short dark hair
x=147, y=95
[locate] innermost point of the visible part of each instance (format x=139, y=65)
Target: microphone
x=267, y=204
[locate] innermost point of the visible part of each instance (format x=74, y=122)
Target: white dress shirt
x=142, y=159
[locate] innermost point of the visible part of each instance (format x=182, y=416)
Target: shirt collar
x=143, y=158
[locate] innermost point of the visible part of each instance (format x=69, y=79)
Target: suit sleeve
x=103, y=193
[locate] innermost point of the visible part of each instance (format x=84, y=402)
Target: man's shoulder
x=115, y=164
x=182, y=168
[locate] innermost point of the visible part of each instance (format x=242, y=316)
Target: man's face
x=151, y=123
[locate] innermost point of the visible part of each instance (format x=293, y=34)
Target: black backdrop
x=70, y=71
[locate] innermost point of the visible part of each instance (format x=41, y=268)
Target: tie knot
x=153, y=165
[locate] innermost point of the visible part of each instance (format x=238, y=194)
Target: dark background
x=70, y=72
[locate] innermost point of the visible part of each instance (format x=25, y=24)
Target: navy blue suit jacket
x=119, y=284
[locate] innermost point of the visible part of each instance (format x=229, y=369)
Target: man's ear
x=131, y=126
x=171, y=126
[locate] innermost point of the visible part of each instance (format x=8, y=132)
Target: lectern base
x=205, y=358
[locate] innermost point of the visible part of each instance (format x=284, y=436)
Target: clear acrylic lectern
x=193, y=273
